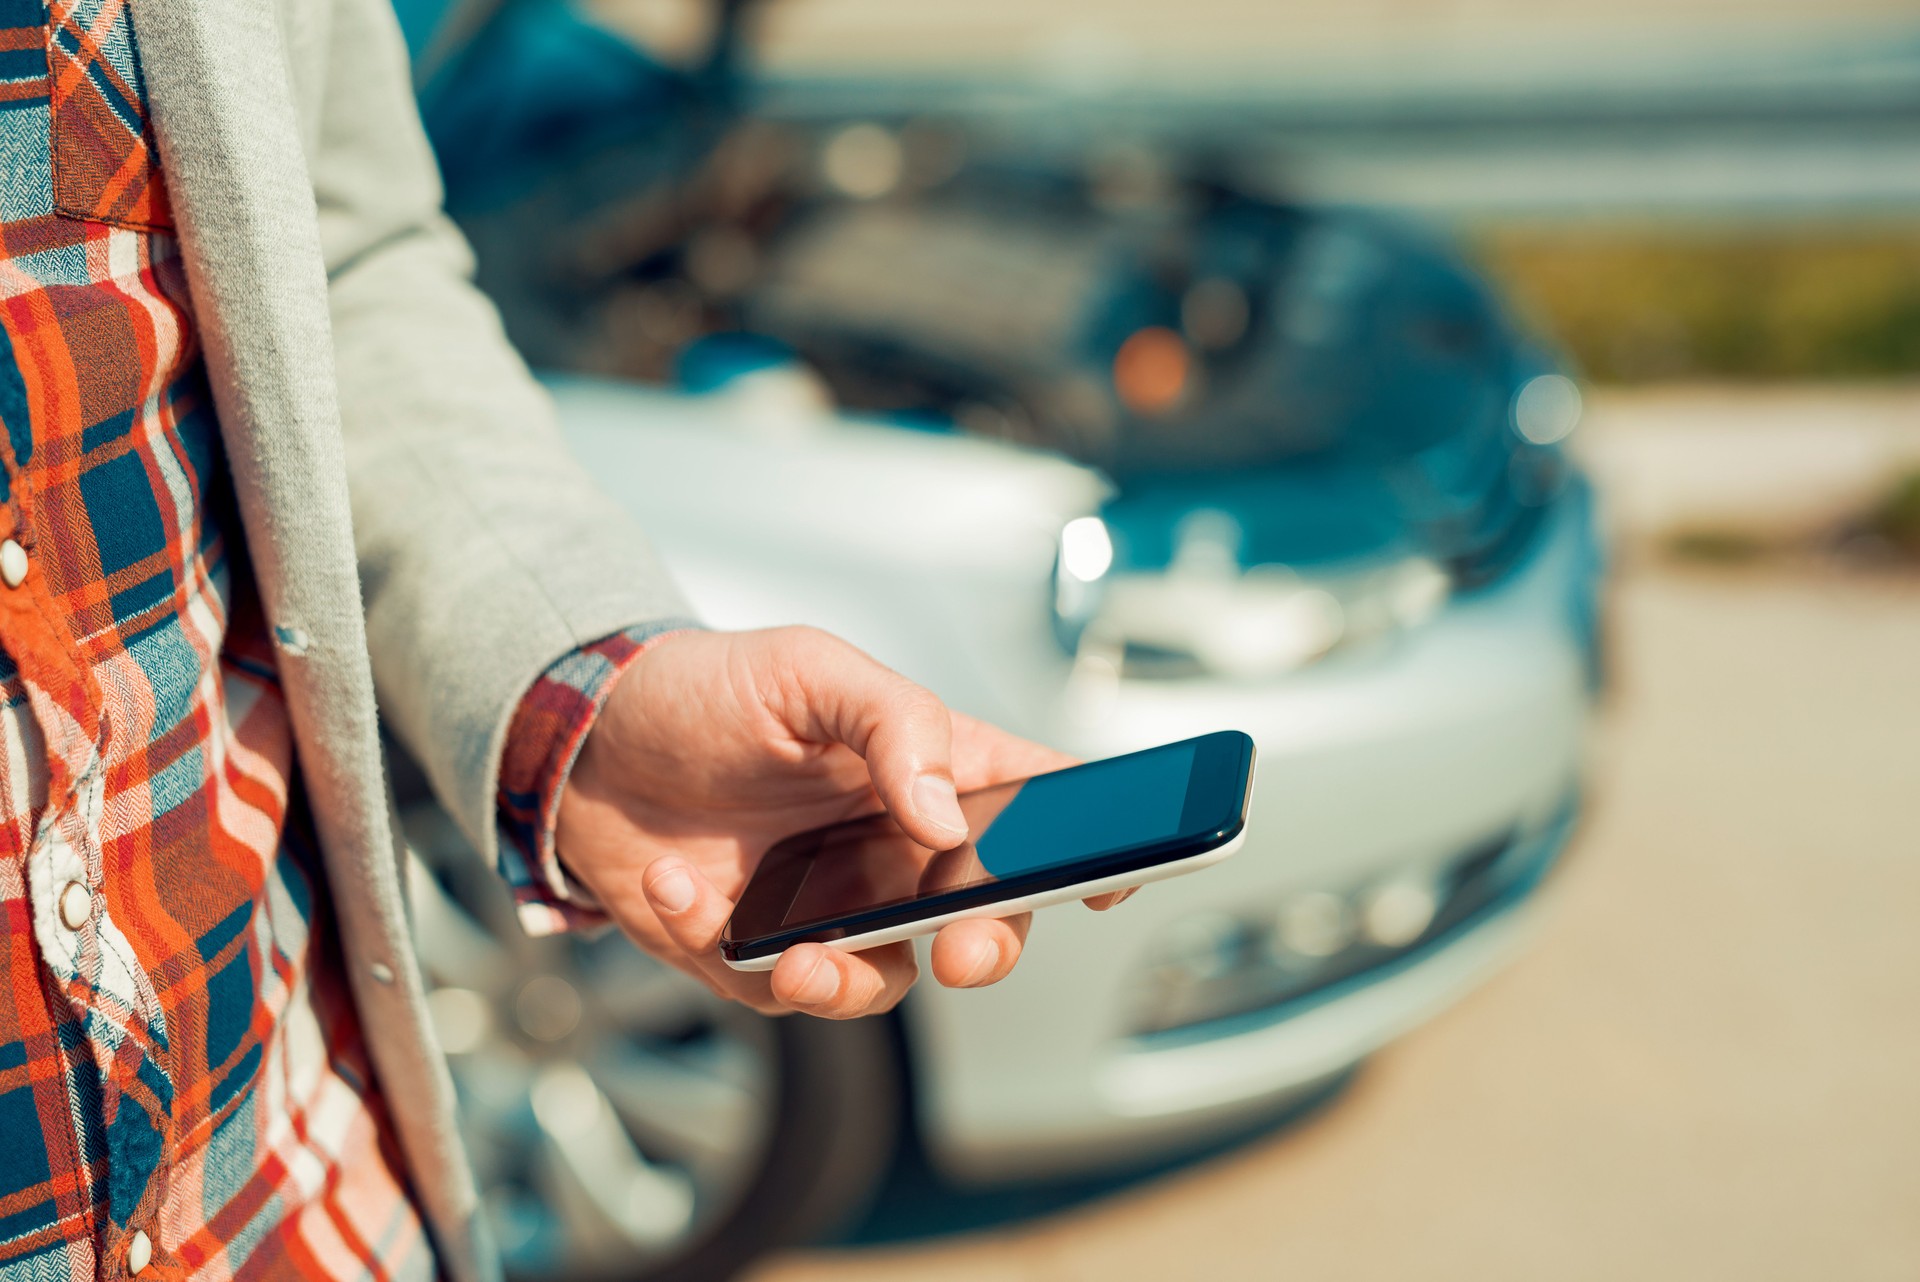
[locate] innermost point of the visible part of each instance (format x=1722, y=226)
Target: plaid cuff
x=547, y=732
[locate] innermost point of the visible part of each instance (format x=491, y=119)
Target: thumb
x=902, y=730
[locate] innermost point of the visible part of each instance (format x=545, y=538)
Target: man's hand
x=715, y=745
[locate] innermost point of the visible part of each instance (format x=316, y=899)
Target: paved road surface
x=1770, y=459
x=1709, y=1067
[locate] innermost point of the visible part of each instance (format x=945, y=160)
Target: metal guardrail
x=1780, y=133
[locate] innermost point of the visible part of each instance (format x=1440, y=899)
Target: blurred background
x=1508, y=413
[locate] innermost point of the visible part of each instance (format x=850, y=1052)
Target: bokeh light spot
x=1151, y=370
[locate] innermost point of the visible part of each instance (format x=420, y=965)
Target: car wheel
x=624, y=1122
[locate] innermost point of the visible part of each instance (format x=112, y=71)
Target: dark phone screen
x=1029, y=826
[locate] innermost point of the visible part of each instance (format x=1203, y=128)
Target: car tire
x=838, y=1129
x=624, y=1122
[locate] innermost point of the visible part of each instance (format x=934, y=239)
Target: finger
x=902, y=730
x=1112, y=899
x=835, y=985
x=691, y=908
x=693, y=913
x=979, y=951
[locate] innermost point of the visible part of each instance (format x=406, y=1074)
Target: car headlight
x=1082, y=561
x=1204, y=614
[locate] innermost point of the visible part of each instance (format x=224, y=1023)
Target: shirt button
x=13, y=563
x=139, y=1251
x=76, y=905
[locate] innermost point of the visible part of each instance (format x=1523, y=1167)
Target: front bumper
x=1372, y=765
x=1237, y=1061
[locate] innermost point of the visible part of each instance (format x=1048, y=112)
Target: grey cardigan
x=414, y=521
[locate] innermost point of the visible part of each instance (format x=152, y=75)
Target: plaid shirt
x=183, y=1085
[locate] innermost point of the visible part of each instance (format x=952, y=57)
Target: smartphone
x=1082, y=831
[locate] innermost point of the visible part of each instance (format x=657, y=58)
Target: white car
x=1330, y=510
x=1421, y=744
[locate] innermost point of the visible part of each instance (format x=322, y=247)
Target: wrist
x=546, y=743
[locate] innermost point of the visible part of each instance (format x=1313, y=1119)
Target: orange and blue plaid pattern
x=180, y=1065
x=545, y=737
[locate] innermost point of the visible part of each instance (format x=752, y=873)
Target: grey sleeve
x=485, y=550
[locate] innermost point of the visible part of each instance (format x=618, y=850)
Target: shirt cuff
x=548, y=729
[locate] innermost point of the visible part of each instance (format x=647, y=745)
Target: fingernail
x=672, y=890
x=821, y=983
x=989, y=961
x=939, y=804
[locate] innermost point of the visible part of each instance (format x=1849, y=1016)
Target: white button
x=139, y=1251
x=13, y=563
x=76, y=905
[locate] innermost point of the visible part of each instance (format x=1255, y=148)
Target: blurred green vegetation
x=1718, y=546
x=1896, y=519
x=1887, y=532
x=1635, y=305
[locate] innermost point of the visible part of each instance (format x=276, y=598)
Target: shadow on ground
x=916, y=1204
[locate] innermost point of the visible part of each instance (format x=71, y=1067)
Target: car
x=1419, y=779
x=1259, y=466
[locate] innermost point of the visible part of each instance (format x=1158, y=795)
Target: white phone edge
x=1008, y=907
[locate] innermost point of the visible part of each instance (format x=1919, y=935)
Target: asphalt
x=1707, y=1065
x=1782, y=460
